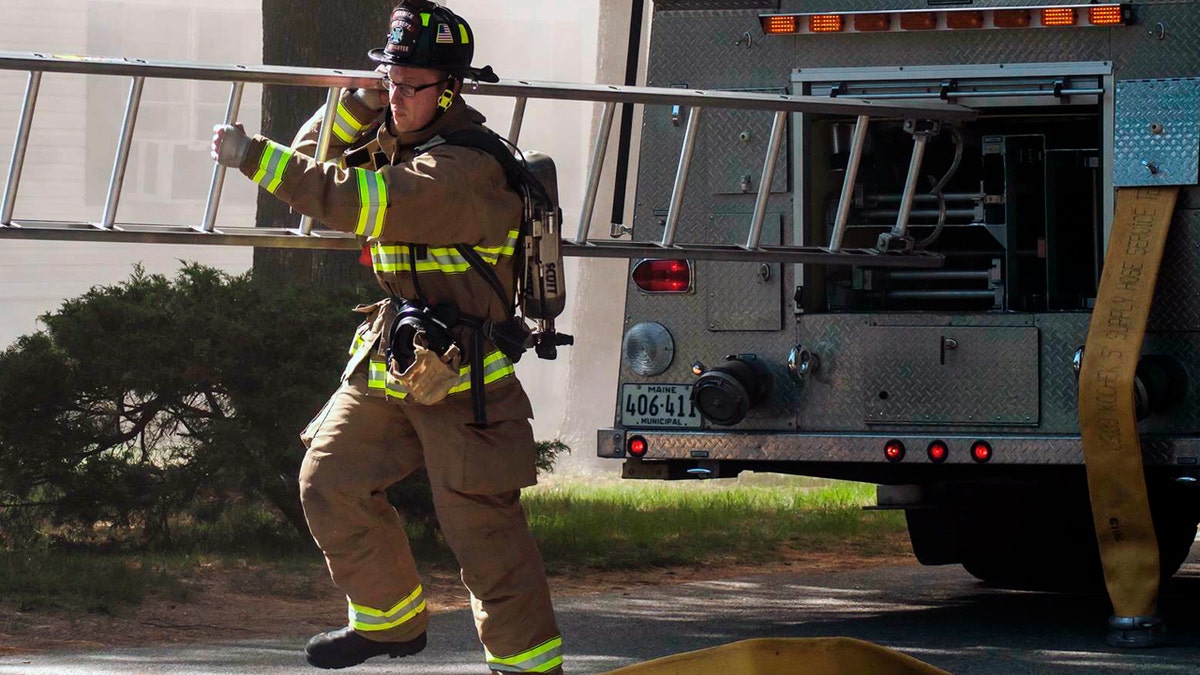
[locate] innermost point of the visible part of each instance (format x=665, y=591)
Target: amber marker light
x=964, y=20
x=918, y=21
x=1109, y=15
x=825, y=23
x=779, y=25
x=1058, y=16
x=1011, y=18
x=870, y=23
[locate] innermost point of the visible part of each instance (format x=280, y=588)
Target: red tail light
x=938, y=451
x=893, y=451
x=663, y=276
x=981, y=451
x=638, y=446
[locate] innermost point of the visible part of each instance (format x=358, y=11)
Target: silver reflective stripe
x=372, y=195
x=271, y=166
x=369, y=619
x=345, y=127
x=495, y=367
x=397, y=258
x=544, y=657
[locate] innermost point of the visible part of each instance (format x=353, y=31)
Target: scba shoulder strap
x=521, y=180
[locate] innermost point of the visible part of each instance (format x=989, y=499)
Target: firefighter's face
x=414, y=110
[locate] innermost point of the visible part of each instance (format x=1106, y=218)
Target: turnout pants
x=360, y=445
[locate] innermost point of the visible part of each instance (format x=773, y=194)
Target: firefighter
x=416, y=206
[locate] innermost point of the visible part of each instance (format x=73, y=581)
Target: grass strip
x=635, y=524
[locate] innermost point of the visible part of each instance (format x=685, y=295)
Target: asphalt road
x=939, y=615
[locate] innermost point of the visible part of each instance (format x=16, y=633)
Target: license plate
x=658, y=405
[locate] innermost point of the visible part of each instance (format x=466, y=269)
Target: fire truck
x=942, y=361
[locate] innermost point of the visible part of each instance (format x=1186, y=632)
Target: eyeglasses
x=408, y=90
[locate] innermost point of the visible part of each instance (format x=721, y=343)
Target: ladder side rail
x=20, y=144
x=674, y=209
x=121, y=161
x=599, y=93
x=767, y=177
x=518, y=119
x=218, y=177
x=595, y=168
x=332, y=98
x=852, y=164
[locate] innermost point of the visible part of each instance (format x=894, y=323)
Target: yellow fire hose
x=1107, y=419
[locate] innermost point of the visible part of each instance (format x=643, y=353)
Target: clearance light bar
x=915, y=20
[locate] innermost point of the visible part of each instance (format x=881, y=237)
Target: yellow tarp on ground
x=787, y=656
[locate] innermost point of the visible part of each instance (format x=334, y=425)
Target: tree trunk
x=316, y=34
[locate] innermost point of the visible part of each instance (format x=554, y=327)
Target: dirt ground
x=225, y=604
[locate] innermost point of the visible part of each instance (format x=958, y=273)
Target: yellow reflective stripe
x=398, y=258
x=492, y=254
x=370, y=619
x=495, y=367
x=271, y=165
x=345, y=126
x=425, y=19
x=466, y=39
x=377, y=379
x=372, y=198
x=542, y=658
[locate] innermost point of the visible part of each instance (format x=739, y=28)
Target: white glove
x=229, y=145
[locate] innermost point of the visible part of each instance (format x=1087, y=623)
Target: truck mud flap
x=1107, y=418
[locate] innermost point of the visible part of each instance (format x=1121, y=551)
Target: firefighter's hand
x=375, y=99
x=229, y=145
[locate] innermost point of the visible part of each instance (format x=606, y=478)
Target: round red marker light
x=894, y=451
x=638, y=446
x=981, y=451
x=938, y=451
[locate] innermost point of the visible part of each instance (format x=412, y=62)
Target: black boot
x=343, y=648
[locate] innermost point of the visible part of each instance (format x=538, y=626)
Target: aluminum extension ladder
x=306, y=236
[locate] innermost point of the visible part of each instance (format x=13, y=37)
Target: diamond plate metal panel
x=1177, y=294
x=1157, y=132
x=709, y=5
x=735, y=146
x=796, y=447
x=1138, y=53
x=1061, y=335
x=938, y=375
x=744, y=296
x=832, y=398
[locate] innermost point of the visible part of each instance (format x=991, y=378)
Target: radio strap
x=1107, y=420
